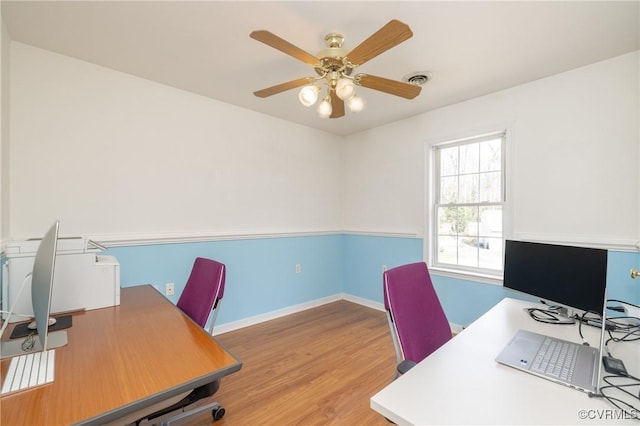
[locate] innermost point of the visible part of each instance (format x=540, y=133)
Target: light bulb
x=324, y=108
x=308, y=95
x=345, y=89
x=356, y=104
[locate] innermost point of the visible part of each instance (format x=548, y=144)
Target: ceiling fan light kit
x=345, y=89
x=334, y=67
x=324, y=108
x=308, y=95
x=356, y=104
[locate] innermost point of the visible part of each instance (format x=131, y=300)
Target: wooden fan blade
x=284, y=46
x=283, y=87
x=392, y=87
x=337, y=106
x=392, y=34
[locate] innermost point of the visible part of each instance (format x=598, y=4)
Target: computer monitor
x=42, y=282
x=573, y=277
x=41, y=290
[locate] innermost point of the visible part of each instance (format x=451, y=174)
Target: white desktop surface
x=461, y=383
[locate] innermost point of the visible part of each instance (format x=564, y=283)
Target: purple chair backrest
x=204, y=288
x=419, y=320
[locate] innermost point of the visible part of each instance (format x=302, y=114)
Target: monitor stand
x=563, y=312
x=11, y=348
x=552, y=315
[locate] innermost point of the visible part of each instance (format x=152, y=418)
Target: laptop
x=568, y=363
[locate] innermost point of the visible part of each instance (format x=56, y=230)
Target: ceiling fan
x=334, y=66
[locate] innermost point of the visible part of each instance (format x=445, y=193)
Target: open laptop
x=568, y=363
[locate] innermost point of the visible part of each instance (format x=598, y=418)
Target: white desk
x=461, y=383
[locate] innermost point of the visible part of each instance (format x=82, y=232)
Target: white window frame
x=430, y=241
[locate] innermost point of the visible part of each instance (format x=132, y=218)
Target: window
x=469, y=202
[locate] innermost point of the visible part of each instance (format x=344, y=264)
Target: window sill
x=467, y=275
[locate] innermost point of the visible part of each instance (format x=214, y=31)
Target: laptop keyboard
x=29, y=370
x=556, y=358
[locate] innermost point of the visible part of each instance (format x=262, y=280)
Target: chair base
x=404, y=366
x=184, y=409
x=217, y=412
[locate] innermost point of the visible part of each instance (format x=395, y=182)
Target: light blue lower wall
x=261, y=275
x=364, y=257
x=463, y=301
x=620, y=285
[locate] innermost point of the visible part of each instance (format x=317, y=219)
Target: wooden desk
x=120, y=360
x=461, y=383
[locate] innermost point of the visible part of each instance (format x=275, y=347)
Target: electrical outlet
x=168, y=289
x=298, y=268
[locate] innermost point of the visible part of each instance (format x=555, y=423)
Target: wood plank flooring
x=317, y=367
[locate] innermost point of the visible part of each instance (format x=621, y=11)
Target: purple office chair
x=417, y=321
x=201, y=295
x=203, y=292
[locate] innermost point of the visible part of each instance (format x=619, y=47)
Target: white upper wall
x=573, y=167
x=115, y=156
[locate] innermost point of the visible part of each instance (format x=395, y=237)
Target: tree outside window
x=469, y=203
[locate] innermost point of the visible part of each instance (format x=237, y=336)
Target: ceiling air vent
x=418, y=78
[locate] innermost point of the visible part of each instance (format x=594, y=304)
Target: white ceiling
x=471, y=48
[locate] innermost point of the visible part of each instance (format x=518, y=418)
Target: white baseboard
x=246, y=322
x=236, y=325
x=364, y=302
x=455, y=328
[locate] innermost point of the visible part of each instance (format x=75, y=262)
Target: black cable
x=620, y=324
x=630, y=333
x=548, y=316
x=28, y=343
x=616, y=319
x=623, y=302
x=583, y=319
x=616, y=308
x=631, y=411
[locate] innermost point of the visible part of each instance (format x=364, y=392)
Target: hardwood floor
x=317, y=367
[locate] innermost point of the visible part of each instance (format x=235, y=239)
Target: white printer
x=83, y=279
